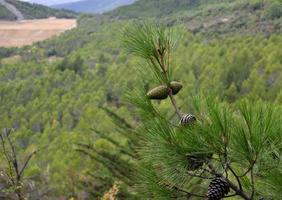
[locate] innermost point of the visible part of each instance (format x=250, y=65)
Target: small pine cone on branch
x=175, y=86
x=194, y=162
x=218, y=188
x=187, y=119
x=158, y=93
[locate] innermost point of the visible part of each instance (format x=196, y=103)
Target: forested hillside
x=65, y=96
x=210, y=16
x=34, y=11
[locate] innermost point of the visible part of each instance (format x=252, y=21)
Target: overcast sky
x=51, y=2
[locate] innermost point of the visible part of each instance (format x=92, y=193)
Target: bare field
x=26, y=32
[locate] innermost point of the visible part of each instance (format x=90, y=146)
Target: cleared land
x=26, y=32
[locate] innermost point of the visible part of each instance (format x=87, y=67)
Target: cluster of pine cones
x=218, y=187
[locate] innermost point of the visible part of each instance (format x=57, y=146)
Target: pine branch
x=173, y=101
x=26, y=163
x=231, y=195
x=245, y=173
x=189, y=194
x=154, y=45
x=14, y=158
x=121, y=148
x=200, y=176
x=253, y=183
x=116, y=118
x=8, y=159
x=236, y=176
x=113, y=164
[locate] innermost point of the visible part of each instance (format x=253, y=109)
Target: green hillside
x=5, y=14
x=158, y=8
x=34, y=11
x=212, y=16
x=65, y=96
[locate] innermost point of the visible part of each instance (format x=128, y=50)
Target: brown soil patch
x=17, y=34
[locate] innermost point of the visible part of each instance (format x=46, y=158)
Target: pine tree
x=214, y=151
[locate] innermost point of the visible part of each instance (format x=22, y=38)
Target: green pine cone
x=175, y=86
x=158, y=93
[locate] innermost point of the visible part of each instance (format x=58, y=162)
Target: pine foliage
x=239, y=144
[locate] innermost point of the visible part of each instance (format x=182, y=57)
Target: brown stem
x=253, y=183
x=19, y=193
x=231, y=195
x=238, y=191
x=199, y=176
x=163, y=64
x=248, y=170
x=189, y=194
x=11, y=176
x=236, y=176
x=14, y=158
x=174, y=103
x=160, y=60
x=160, y=64
x=26, y=163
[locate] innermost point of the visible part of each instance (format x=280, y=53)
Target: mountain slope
x=153, y=8
x=50, y=2
x=212, y=16
x=32, y=11
x=94, y=6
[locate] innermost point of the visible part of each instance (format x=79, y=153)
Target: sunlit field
x=17, y=34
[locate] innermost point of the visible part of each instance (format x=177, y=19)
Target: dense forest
x=68, y=122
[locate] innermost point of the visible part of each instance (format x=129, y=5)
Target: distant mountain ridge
x=50, y=2
x=93, y=6
x=27, y=10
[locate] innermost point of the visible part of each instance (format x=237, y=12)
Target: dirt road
x=12, y=9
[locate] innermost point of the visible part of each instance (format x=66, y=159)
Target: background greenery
x=52, y=92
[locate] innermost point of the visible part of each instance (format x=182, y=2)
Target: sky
x=51, y=2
